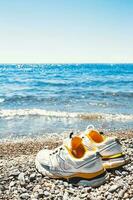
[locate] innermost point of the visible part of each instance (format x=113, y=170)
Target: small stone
x=88, y=189
x=32, y=176
x=61, y=182
x=2, y=188
x=109, y=197
x=36, y=188
x=27, y=180
x=83, y=195
x=15, y=192
x=113, y=188
x=15, y=172
x=131, y=168
x=124, y=173
x=12, y=183
x=118, y=172
x=121, y=194
x=56, y=191
x=65, y=196
x=22, y=190
x=66, y=184
x=126, y=195
x=46, y=193
x=21, y=177
x=29, y=186
x=35, y=196
x=81, y=187
x=71, y=191
x=117, y=178
x=106, y=194
x=40, y=193
x=76, y=198
x=24, y=196
x=56, y=182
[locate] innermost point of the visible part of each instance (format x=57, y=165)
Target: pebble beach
x=19, y=178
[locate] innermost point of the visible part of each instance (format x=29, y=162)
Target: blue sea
x=39, y=99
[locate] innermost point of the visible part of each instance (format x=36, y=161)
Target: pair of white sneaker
x=83, y=158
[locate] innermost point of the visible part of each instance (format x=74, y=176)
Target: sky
x=66, y=31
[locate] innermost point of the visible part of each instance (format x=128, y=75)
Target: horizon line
x=61, y=63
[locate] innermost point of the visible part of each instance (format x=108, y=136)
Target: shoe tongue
x=76, y=142
x=95, y=136
x=90, y=130
x=93, y=132
x=73, y=143
x=76, y=146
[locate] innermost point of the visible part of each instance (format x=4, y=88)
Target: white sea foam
x=2, y=100
x=86, y=116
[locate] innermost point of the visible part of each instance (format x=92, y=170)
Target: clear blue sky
x=56, y=31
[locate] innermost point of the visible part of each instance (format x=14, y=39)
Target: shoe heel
x=115, y=162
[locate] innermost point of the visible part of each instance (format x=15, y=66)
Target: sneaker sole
x=75, y=179
x=95, y=182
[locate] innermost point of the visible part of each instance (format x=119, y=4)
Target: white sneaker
x=109, y=148
x=73, y=162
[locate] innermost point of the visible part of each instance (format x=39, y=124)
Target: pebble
x=12, y=183
x=35, y=196
x=21, y=177
x=121, y=194
x=65, y=196
x=29, y=186
x=83, y=195
x=126, y=195
x=56, y=191
x=118, y=173
x=52, y=191
x=40, y=193
x=113, y=188
x=109, y=197
x=24, y=196
x=66, y=184
x=36, y=188
x=76, y=198
x=46, y=194
x=124, y=173
x=2, y=188
x=106, y=194
x=32, y=176
x=15, y=172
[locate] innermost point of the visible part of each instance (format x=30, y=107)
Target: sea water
x=39, y=99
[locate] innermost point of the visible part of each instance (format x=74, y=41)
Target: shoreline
x=30, y=146
x=19, y=178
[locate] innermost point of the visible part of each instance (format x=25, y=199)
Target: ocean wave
x=73, y=95
x=2, y=100
x=57, y=114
